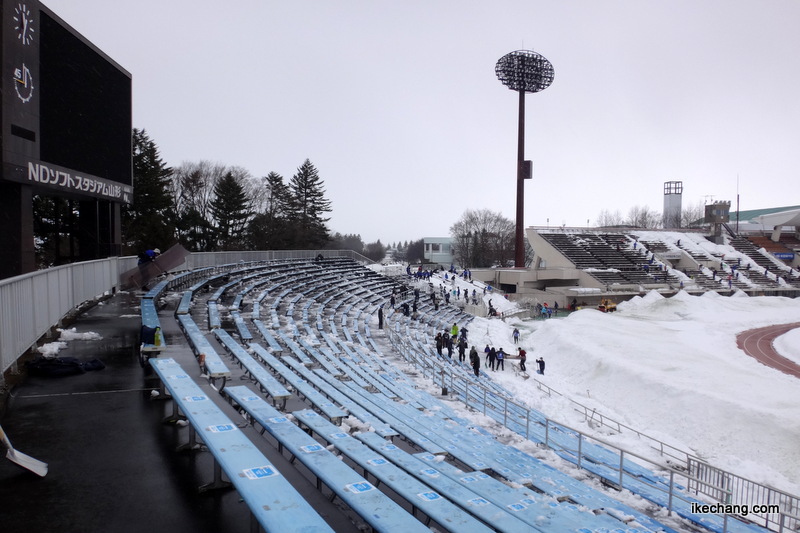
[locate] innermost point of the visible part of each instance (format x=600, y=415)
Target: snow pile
x=788, y=345
x=51, y=349
x=669, y=367
x=73, y=335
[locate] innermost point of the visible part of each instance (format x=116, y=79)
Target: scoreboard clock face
x=24, y=23
x=23, y=83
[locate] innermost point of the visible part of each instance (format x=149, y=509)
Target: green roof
x=744, y=216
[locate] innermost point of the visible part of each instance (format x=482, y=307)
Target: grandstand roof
x=784, y=218
x=751, y=215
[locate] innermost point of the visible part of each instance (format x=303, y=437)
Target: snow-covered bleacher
x=324, y=370
x=673, y=260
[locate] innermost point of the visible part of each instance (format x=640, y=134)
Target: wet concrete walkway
x=112, y=462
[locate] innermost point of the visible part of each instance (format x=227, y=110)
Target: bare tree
x=606, y=218
x=193, y=186
x=692, y=216
x=483, y=238
x=643, y=217
x=192, y=189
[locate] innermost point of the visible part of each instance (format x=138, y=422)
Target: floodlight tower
x=524, y=71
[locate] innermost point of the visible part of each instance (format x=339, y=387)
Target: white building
x=439, y=250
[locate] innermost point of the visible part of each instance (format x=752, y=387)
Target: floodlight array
x=525, y=70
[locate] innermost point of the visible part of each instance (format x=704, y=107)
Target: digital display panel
x=85, y=106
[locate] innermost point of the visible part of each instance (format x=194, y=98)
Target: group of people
x=456, y=338
x=546, y=311
x=495, y=359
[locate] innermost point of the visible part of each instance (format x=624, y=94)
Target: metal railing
x=33, y=303
x=744, y=491
x=698, y=477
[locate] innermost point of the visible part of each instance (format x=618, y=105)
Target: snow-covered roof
x=783, y=218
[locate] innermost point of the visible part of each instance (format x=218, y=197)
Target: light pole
x=524, y=71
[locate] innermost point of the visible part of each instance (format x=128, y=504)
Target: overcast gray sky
x=398, y=105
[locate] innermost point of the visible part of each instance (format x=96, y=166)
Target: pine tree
x=375, y=250
x=148, y=223
x=269, y=230
x=230, y=210
x=307, y=207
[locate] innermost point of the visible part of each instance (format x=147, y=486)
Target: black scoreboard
x=66, y=109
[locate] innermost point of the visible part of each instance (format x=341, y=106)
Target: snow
x=51, y=349
x=788, y=345
x=667, y=367
x=72, y=335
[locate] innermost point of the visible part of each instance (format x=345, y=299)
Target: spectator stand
x=302, y=387
x=254, y=371
x=417, y=494
x=275, y=505
x=372, y=506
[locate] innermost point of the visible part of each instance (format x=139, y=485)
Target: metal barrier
x=744, y=491
x=33, y=303
x=699, y=477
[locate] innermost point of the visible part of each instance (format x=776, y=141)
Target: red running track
x=757, y=343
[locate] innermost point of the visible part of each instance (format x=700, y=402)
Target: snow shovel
x=25, y=461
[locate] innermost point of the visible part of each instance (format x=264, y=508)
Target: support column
x=16, y=238
x=88, y=230
x=519, y=235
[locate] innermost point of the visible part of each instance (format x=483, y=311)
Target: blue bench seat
x=203, y=349
x=156, y=291
x=303, y=387
x=268, y=337
x=265, y=379
x=417, y=494
x=538, y=510
x=185, y=304
x=372, y=505
x=214, y=319
x=499, y=516
x=272, y=500
x=295, y=349
x=241, y=327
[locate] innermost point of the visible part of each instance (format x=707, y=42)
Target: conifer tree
x=307, y=208
x=269, y=230
x=230, y=210
x=148, y=223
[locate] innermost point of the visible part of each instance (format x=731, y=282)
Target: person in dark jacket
x=462, y=348
x=540, y=362
x=501, y=357
x=148, y=255
x=476, y=362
